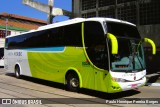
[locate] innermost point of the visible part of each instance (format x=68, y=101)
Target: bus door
x=96, y=49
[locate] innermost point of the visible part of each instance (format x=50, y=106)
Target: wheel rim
x=17, y=72
x=74, y=82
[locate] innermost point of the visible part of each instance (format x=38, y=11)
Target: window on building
x=107, y=13
x=3, y=33
x=102, y=3
x=88, y=4
x=124, y=1
x=149, y=12
x=128, y=13
x=88, y=15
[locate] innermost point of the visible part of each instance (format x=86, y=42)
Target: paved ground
x=57, y=96
x=153, y=79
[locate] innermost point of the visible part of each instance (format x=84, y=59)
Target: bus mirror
x=114, y=43
x=152, y=44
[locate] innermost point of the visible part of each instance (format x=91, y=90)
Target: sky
x=16, y=7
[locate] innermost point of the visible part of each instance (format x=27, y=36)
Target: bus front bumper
x=124, y=86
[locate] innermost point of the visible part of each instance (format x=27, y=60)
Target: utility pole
x=6, y=27
x=49, y=9
x=50, y=16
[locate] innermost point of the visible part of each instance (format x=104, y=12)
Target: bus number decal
x=17, y=53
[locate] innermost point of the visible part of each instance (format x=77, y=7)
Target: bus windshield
x=130, y=55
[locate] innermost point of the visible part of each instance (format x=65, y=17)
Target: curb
x=153, y=79
x=153, y=84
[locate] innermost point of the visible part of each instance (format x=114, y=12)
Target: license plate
x=134, y=85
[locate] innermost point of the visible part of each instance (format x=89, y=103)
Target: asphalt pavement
x=152, y=79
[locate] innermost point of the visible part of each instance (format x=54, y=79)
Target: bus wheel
x=72, y=82
x=17, y=71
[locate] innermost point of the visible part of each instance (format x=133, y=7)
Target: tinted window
x=72, y=35
x=56, y=37
x=69, y=35
x=95, y=43
x=36, y=39
x=122, y=30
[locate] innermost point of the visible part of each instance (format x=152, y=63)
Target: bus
x=2, y=41
x=101, y=54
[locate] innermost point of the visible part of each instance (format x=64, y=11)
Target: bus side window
x=55, y=37
x=6, y=43
x=72, y=35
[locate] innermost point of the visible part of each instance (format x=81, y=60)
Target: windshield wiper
x=138, y=57
x=134, y=54
x=132, y=61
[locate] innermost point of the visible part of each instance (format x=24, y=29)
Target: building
x=16, y=24
x=144, y=13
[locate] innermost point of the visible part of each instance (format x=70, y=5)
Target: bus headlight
x=118, y=79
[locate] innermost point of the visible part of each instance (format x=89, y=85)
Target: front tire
x=17, y=71
x=72, y=82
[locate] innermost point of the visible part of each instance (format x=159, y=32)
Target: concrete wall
x=15, y=32
x=152, y=32
x=76, y=8
x=152, y=61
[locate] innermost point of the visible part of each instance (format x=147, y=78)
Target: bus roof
x=78, y=20
x=73, y=21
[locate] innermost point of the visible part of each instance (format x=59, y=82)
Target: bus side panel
x=17, y=57
x=53, y=65
x=100, y=81
x=88, y=76
x=104, y=83
x=48, y=66
x=8, y=61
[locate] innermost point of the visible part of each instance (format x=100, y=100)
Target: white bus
x=2, y=41
x=101, y=54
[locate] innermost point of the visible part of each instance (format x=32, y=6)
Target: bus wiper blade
x=132, y=61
